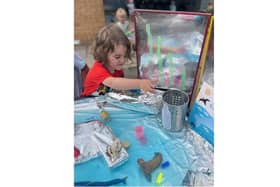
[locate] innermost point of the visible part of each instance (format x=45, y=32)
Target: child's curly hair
x=106, y=40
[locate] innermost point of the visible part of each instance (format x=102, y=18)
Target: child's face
x=121, y=17
x=117, y=58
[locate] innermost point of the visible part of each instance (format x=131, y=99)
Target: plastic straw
x=149, y=41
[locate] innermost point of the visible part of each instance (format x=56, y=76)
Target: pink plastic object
x=139, y=132
x=76, y=152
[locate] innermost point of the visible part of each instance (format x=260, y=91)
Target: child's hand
x=146, y=85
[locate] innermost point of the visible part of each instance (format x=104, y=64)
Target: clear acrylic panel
x=169, y=46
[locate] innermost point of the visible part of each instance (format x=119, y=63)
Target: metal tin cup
x=174, y=109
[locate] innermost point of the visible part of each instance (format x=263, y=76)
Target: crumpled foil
x=150, y=99
x=201, y=157
x=92, y=139
x=146, y=103
x=84, y=141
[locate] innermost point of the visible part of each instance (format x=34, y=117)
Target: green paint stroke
x=160, y=65
x=184, y=78
x=150, y=46
x=171, y=69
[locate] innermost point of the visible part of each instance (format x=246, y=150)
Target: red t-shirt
x=97, y=74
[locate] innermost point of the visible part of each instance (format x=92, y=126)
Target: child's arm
x=126, y=84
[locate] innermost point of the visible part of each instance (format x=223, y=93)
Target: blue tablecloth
x=185, y=150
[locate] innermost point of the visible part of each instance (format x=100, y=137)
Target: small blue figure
x=165, y=164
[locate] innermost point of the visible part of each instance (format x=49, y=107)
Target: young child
x=111, y=49
x=121, y=18
x=125, y=26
